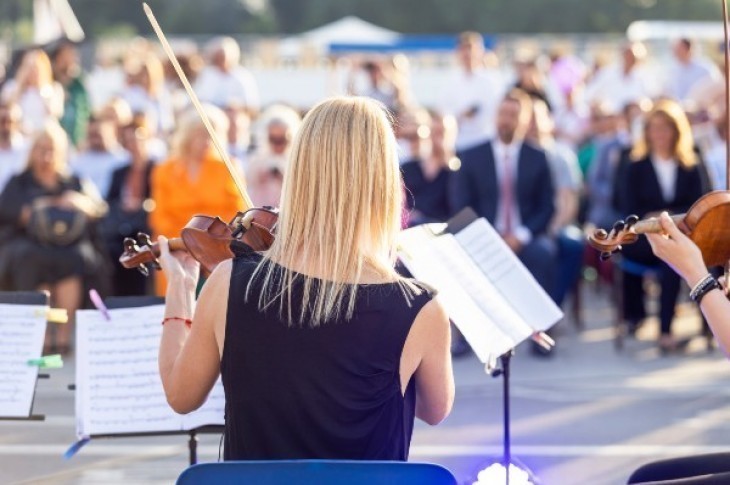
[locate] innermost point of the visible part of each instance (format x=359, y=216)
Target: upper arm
x=198, y=366
x=434, y=375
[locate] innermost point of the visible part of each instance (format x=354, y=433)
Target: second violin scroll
x=706, y=223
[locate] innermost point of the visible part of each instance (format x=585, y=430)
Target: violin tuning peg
x=144, y=239
x=632, y=219
x=130, y=245
x=619, y=226
x=144, y=269
x=605, y=256
x=600, y=234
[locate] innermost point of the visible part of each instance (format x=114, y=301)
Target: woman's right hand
x=677, y=250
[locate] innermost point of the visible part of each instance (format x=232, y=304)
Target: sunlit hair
x=340, y=211
x=38, y=59
x=51, y=131
x=672, y=112
x=191, y=121
x=151, y=67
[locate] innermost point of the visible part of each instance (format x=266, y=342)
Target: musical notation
x=118, y=386
x=22, y=330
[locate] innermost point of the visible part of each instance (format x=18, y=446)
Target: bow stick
x=198, y=107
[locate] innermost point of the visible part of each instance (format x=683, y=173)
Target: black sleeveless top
x=328, y=392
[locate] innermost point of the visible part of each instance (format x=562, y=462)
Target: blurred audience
x=194, y=180
x=47, y=218
x=33, y=88
x=473, y=93
x=666, y=175
x=266, y=166
x=12, y=142
x=77, y=105
x=224, y=81
x=101, y=156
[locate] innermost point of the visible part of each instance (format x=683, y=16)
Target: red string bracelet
x=187, y=321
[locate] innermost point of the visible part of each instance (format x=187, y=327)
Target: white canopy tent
x=644, y=30
x=347, y=30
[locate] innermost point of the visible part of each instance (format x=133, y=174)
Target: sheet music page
x=428, y=263
x=22, y=331
x=508, y=275
x=118, y=385
x=481, y=289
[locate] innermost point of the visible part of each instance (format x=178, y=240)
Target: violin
x=207, y=239
x=706, y=224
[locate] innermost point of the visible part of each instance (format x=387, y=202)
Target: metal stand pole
x=507, y=456
x=193, y=447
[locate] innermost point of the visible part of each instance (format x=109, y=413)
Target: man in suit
x=508, y=181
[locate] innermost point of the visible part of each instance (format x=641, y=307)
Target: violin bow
x=198, y=107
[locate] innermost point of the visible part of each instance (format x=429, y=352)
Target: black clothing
x=643, y=196
x=331, y=391
x=26, y=264
x=428, y=198
x=119, y=224
x=692, y=470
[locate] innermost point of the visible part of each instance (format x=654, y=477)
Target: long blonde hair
x=340, y=210
x=52, y=132
x=36, y=58
x=190, y=121
x=671, y=111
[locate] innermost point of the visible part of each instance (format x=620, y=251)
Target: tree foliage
x=410, y=16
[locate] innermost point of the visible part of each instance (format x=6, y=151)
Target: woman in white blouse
x=34, y=90
x=666, y=175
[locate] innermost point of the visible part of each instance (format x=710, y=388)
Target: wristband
x=188, y=322
x=707, y=284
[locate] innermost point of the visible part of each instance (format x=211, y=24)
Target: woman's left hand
x=678, y=251
x=179, y=266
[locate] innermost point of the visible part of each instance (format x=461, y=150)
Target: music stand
x=457, y=223
x=140, y=301
x=40, y=298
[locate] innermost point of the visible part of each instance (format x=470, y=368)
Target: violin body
x=207, y=239
x=706, y=224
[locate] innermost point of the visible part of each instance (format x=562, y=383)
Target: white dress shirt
x=509, y=155
x=480, y=91
x=223, y=89
x=666, y=174
x=12, y=160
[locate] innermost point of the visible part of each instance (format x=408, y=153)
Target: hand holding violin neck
x=653, y=225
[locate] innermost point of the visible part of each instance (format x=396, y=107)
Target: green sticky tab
x=54, y=361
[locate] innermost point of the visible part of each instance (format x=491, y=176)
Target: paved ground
x=589, y=415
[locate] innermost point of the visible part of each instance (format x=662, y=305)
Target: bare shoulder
x=432, y=321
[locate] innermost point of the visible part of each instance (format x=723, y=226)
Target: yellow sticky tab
x=57, y=315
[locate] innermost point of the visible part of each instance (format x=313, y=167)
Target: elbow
x=435, y=413
x=179, y=404
x=175, y=401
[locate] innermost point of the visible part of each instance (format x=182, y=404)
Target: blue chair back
x=319, y=472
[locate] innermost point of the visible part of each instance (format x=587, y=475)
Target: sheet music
x=22, y=331
x=427, y=262
x=118, y=386
x=508, y=275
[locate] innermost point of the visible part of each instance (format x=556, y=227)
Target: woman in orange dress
x=194, y=180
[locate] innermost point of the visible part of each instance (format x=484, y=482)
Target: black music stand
x=457, y=223
x=139, y=301
x=26, y=298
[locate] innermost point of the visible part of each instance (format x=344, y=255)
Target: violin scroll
x=623, y=232
x=207, y=239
